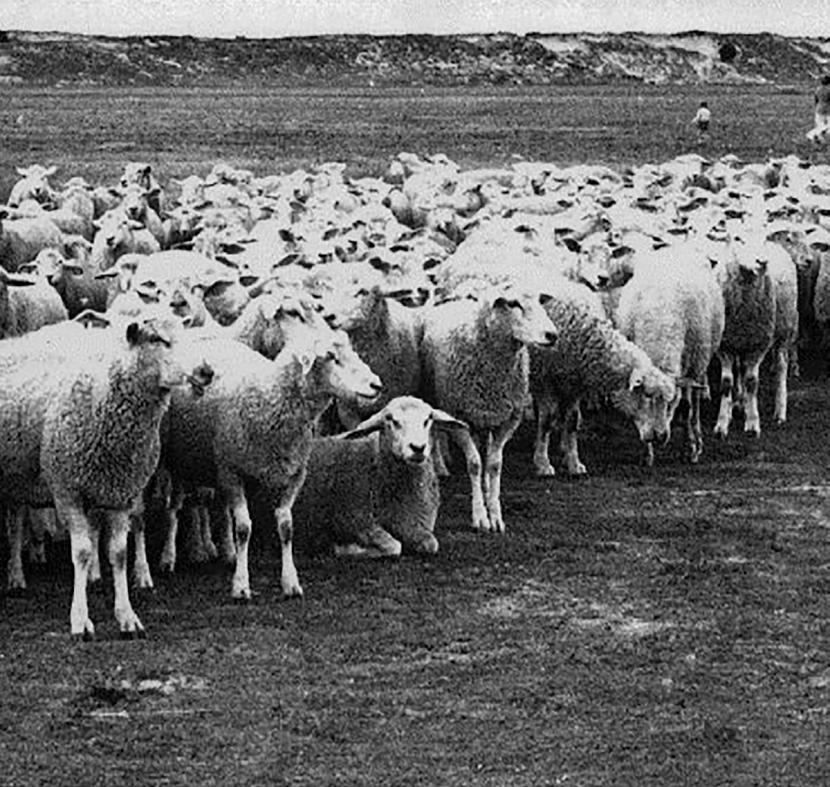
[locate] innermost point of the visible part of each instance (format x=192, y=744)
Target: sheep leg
x=465, y=441
x=15, y=524
x=726, y=383
x=205, y=525
x=376, y=543
x=752, y=424
x=571, y=424
x=234, y=494
x=227, y=548
x=694, y=433
x=41, y=522
x=119, y=527
x=782, y=363
x=95, y=562
x=545, y=414
x=495, y=459
x=285, y=528
x=167, y=562
x=142, y=578
x=440, y=455
x=81, y=545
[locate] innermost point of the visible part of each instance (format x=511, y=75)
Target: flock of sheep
x=324, y=339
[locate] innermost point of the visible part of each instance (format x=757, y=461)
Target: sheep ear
x=89, y=317
x=444, y=420
x=14, y=281
x=636, y=380
x=369, y=426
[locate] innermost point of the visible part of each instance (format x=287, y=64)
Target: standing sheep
x=375, y=488
x=673, y=309
x=256, y=422
x=80, y=412
x=758, y=281
x=591, y=357
x=475, y=366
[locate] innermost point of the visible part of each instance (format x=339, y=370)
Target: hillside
x=533, y=59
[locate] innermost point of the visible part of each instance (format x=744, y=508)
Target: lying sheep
x=256, y=422
x=375, y=488
x=591, y=357
x=34, y=184
x=673, y=309
x=80, y=412
x=475, y=366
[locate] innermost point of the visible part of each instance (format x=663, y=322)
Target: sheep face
x=115, y=229
x=340, y=370
x=524, y=319
x=649, y=401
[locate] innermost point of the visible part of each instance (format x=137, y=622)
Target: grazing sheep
x=591, y=357
x=375, y=488
x=80, y=412
x=256, y=422
x=673, y=309
x=759, y=286
x=22, y=239
x=475, y=366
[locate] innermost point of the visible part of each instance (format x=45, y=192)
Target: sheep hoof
x=578, y=470
x=545, y=471
x=752, y=431
x=294, y=592
x=720, y=433
x=138, y=633
x=86, y=634
x=17, y=591
x=166, y=568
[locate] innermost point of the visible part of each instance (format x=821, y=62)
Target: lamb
x=22, y=239
x=760, y=293
x=256, y=422
x=475, y=366
x=80, y=412
x=591, y=357
x=375, y=488
x=673, y=309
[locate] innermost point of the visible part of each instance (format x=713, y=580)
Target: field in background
x=638, y=627
x=93, y=132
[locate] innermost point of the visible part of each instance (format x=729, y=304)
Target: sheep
x=8, y=280
x=759, y=286
x=22, y=239
x=257, y=422
x=140, y=173
x=375, y=488
x=136, y=205
x=475, y=366
x=673, y=309
x=80, y=414
x=385, y=335
x=591, y=357
x=34, y=184
x=33, y=307
x=265, y=326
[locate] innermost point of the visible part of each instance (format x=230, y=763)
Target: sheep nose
x=418, y=451
x=551, y=337
x=376, y=385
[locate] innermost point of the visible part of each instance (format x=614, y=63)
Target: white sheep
x=22, y=239
x=80, y=412
x=30, y=308
x=256, y=421
x=373, y=489
x=34, y=184
x=759, y=286
x=673, y=309
x=475, y=366
x=591, y=357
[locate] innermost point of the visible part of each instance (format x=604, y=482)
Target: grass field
x=664, y=626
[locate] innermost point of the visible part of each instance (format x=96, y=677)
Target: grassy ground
x=93, y=132
x=638, y=627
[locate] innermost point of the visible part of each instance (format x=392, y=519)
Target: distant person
x=701, y=121
x=821, y=100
